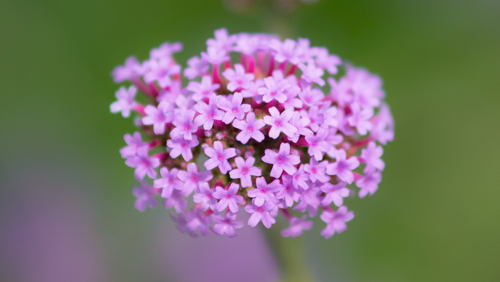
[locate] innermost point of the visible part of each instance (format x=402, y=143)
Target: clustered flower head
x=269, y=134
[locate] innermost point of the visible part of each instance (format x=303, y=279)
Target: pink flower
x=196, y=67
x=285, y=51
x=372, y=156
x=145, y=197
x=301, y=178
x=205, y=197
x=274, y=90
x=125, y=102
x=218, y=157
x=280, y=123
x=197, y=220
x=311, y=73
x=334, y=193
x=158, y=117
x=262, y=213
x=264, y=192
x=360, y=119
x=237, y=78
x=327, y=61
x=176, y=200
x=297, y=226
x=214, y=56
x=369, y=183
x=223, y=41
x=192, y=178
x=315, y=116
x=234, y=109
x=129, y=71
x=184, y=126
x=134, y=143
x=335, y=221
x=245, y=171
x=208, y=113
x=226, y=224
x=165, y=50
x=311, y=97
x=309, y=200
x=228, y=198
x=317, y=144
x=249, y=129
x=342, y=167
x=281, y=160
x=168, y=182
x=317, y=171
x=340, y=92
x=181, y=222
x=160, y=71
x=143, y=163
x=287, y=191
x=180, y=146
x=247, y=44
x=205, y=89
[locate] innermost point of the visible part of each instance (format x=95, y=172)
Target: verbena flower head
x=264, y=135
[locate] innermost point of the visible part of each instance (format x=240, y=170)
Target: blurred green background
x=436, y=216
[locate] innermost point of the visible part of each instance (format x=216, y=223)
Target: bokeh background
x=66, y=208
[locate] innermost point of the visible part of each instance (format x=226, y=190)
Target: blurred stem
x=290, y=256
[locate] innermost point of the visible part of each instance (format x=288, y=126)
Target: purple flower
x=262, y=213
x=245, y=171
x=176, y=200
x=301, y=125
x=301, y=178
x=311, y=97
x=335, y=221
x=340, y=92
x=204, y=197
x=287, y=191
x=334, y=193
x=292, y=101
x=249, y=129
x=218, y=157
x=369, y=183
x=237, y=78
x=372, y=155
x=360, y=119
x=160, y=71
x=143, y=163
x=165, y=50
x=226, y=224
x=342, y=167
x=145, y=196
x=281, y=160
x=234, y=109
x=158, y=117
x=297, y=226
x=196, y=67
x=205, y=89
x=196, y=219
x=316, y=118
x=228, y=198
x=180, y=146
x=317, y=144
x=184, y=126
x=128, y=71
x=274, y=90
x=168, y=182
x=264, y=192
x=208, y=113
x=125, y=102
x=192, y=178
x=309, y=199
x=311, y=73
x=181, y=222
x=223, y=41
x=285, y=51
x=214, y=56
x=317, y=171
x=327, y=61
x=280, y=123
x=134, y=143
x=246, y=44
x=383, y=125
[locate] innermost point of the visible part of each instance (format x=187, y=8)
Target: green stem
x=290, y=256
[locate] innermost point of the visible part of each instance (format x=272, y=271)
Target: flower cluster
x=266, y=135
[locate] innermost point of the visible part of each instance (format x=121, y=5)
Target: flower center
x=249, y=129
x=244, y=171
